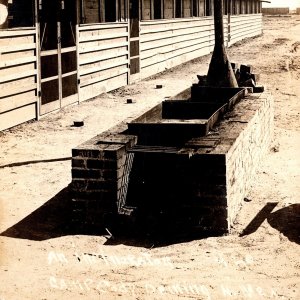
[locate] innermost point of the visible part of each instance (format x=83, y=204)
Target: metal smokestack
x=220, y=73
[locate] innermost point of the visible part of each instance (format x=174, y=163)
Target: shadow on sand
x=51, y=220
x=286, y=220
x=54, y=219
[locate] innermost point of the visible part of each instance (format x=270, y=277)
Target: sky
x=282, y=3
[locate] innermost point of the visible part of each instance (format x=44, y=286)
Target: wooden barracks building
x=57, y=52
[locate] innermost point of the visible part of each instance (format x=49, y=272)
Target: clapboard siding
x=103, y=58
x=167, y=43
x=244, y=26
x=18, y=77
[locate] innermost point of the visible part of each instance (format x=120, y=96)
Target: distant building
x=275, y=10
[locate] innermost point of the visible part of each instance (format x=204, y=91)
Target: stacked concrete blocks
x=99, y=178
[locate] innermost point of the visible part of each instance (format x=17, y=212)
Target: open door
x=59, y=82
x=134, y=37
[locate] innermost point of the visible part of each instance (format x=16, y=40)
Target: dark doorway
x=134, y=37
x=157, y=9
x=110, y=11
x=59, y=83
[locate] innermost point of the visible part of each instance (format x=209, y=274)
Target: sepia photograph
x=150, y=149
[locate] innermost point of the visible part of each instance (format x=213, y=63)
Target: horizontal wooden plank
x=87, y=27
x=175, y=33
x=17, y=48
x=245, y=28
x=17, y=32
x=238, y=38
x=68, y=49
x=49, y=52
x=103, y=75
x=161, y=57
x=97, y=57
x=4, y=72
x=17, y=61
x=200, y=42
x=19, y=100
x=102, y=37
x=244, y=32
x=170, y=63
x=17, y=40
x=86, y=48
x=14, y=77
x=103, y=53
x=20, y=54
x=18, y=116
x=69, y=74
x=103, y=43
x=7, y=91
x=99, y=32
x=242, y=18
x=243, y=24
x=156, y=28
x=104, y=86
x=175, y=20
x=158, y=44
x=96, y=68
x=239, y=18
x=49, y=78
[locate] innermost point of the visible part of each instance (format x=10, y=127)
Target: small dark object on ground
x=258, y=89
x=78, y=123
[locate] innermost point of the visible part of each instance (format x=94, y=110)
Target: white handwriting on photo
x=105, y=287
x=143, y=259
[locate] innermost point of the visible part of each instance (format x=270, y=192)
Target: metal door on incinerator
x=59, y=82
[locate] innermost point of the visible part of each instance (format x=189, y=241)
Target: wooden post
x=102, y=11
x=220, y=73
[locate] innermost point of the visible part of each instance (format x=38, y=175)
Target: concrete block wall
x=256, y=124
x=208, y=195
x=99, y=177
x=202, y=185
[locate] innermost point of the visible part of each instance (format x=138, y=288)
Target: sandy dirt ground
x=41, y=258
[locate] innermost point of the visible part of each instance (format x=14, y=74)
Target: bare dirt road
x=41, y=258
